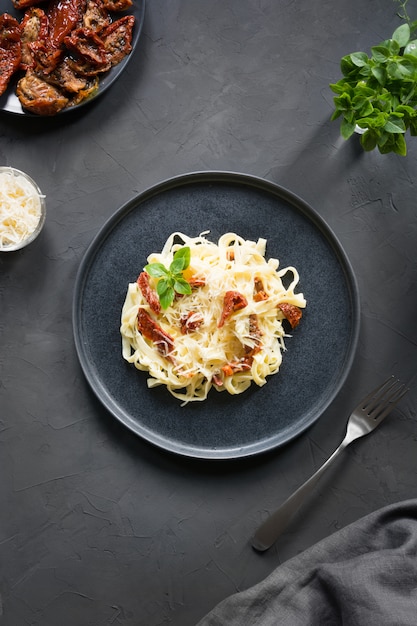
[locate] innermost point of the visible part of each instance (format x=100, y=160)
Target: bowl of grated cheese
x=22, y=209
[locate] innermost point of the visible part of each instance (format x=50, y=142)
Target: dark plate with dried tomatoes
x=10, y=103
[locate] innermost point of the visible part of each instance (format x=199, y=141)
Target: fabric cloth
x=362, y=575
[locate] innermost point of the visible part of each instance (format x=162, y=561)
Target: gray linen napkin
x=362, y=575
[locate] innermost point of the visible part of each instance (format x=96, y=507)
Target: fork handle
x=270, y=530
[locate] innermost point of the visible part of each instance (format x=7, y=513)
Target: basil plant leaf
x=402, y=35
x=347, y=129
x=400, y=146
x=167, y=298
x=156, y=270
x=181, y=260
x=181, y=286
x=394, y=126
x=162, y=286
x=360, y=59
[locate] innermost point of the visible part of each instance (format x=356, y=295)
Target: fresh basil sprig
x=171, y=280
x=379, y=92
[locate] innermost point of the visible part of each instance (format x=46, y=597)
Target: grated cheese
x=20, y=208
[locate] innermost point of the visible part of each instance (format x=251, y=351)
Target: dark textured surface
x=97, y=526
x=312, y=371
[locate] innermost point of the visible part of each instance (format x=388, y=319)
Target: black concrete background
x=98, y=527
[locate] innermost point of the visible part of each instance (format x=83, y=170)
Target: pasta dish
x=224, y=326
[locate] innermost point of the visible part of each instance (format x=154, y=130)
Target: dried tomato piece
x=190, y=321
x=196, y=282
x=117, y=5
x=148, y=293
x=46, y=58
x=96, y=16
x=63, y=15
x=117, y=38
x=241, y=365
x=38, y=97
x=25, y=4
x=291, y=312
x=88, y=45
x=259, y=293
x=91, y=88
x=64, y=78
x=83, y=68
x=34, y=28
x=233, y=301
x=10, y=49
x=151, y=330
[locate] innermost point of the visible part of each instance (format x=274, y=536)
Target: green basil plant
x=378, y=93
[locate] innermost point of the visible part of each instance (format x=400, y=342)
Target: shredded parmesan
x=20, y=208
x=197, y=360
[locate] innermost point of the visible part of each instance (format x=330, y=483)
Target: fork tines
x=384, y=398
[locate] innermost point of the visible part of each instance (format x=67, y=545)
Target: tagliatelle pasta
x=227, y=333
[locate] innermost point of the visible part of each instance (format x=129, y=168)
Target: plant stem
x=404, y=15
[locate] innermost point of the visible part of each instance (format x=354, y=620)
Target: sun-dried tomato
x=10, y=49
x=196, y=282
x=148, y=293
x=117, y=5
x=151, y=330
x=88, y=45
x=63, y=16
x=24, y=4
x=233, y=301
x=117, y=38
x=259, y=293
x=34, y=28
x=241, y=365
x=96, y=16
x=190, y=321
x=291, y=313
x=38, y=96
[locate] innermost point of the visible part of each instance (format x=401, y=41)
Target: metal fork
x=365, y=417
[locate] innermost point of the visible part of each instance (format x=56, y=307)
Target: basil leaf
x=402, y=35
x=369, y=140
x=360, y=59
x=181, y=286
x=347, y=129
x=400, y=146
x=181, y=260
x=411, y=48
x=380, y=74
x=380, y=53
x=394, y=126
x=167, y=298
x=156, y=270
x=162, y=286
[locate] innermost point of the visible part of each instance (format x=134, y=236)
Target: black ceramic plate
x=318, y=356
x=10, y=103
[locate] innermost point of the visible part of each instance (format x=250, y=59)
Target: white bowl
x=34, y=205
